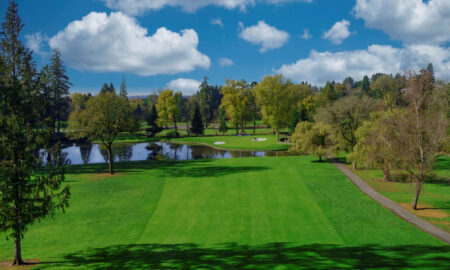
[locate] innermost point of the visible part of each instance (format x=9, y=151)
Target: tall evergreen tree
x=45, y=87
x=111, y=88
x=223, y=128
x=365, y=86
x=151, y=119
x=431, y=70
x=205, y=102
x=123, y=89
x=197, y=122
x=25, y=195
x=104, y=90
x=60, y=86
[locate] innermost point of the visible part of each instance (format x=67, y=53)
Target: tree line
x=396, y=124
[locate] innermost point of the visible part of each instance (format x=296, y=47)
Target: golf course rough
x=247, y=213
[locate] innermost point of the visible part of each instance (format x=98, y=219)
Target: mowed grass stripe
x=261, y=204
x=357, y=218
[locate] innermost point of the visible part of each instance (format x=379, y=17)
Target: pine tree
x=431, y=70
x=197, y=122
x=151, y=119
x=123, y=89
x=205, y=102
x=365, y=84
x=111, y=88
x=223, y=128
x=60, y=86
x=104, y=90
x=26, y=196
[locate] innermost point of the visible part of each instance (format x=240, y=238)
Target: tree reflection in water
x=86, y=153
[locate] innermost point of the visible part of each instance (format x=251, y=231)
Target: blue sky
x=116, y=38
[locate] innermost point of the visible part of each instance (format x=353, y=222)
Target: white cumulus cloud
x=185, y=86
x=225, y=62
x=137, y=7
x=306, y=34
x=117, y=43
x=218, y=22
x=268, y=37
x=35, y=42
x=320, y=67
x=411, y=21
x=338, y=32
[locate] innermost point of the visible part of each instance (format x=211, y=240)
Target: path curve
x=394, y=207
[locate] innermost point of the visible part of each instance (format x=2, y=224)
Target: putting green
x=280, y=212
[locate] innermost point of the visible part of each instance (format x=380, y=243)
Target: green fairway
x=252, y=213
x=238, y=142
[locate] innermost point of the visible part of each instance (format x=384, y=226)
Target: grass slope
x=141, y=136
x=434, y=200
x=253, y=213
x=237, y=142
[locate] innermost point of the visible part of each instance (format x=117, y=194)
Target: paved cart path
x=394, y=207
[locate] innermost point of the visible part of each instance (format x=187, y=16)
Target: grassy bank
x=434, y=200
x=268, y=142
x=253, y=213
x=142, y=135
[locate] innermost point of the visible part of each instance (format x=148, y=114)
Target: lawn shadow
x=130, y=166
x=166, y=168
x=268, y=256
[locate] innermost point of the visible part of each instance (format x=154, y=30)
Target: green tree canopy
x=312, y=138
x=277, y=97
x=104, y=118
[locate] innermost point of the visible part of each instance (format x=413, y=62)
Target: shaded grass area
x=253, y=213
x=268, y=256
x=237, y=142
x=434, y=200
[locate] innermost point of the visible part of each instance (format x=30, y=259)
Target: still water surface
x=88, y=153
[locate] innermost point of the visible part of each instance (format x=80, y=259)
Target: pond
x=88, y=153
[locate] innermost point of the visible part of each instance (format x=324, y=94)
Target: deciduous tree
x=167, y=109
x=104, y=118
x=236, y=101
x=423, y=129
x=312, y=138
x=345, y=116
x=277, y=98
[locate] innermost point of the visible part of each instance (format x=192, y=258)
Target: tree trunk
x=175, y=123
x=17, y=252
x=354, y=165
x=59, y=126
x=254, y=125
x=320, y=158
x=110, y=160
x=386, y=174
x=237, y=129
x=277, y=134
x=187, y=127
x=416, y=198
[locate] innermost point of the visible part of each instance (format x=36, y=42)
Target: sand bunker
x=259, y=139
x=219, y=143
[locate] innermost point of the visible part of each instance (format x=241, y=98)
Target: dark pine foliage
x=27, y=192
x=151, y=119
x=197, y=122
